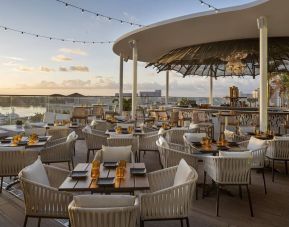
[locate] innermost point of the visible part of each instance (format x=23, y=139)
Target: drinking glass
x=94, y=173
x=119, y=172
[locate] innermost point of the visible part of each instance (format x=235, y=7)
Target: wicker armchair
x=234, y=137
x=228, y=171
x=118, y=142
x=42, y=201
x=108, y=215
x=164, y=201
x=147, y=142
x=278, y=150
x=174, y=153
x=58, y=132
x=192, y=137
x=13, y=161
x=175, y=135
x=94, y=141
x=37, y=131
x=60, y=151
x=258, y=160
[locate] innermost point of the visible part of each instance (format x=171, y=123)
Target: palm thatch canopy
x=225, y=58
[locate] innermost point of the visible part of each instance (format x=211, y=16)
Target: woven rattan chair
x=228, y=171
x=58, y=132
x=62, y=151
x=37, y=131
x=234, y=137
x=109, y=214
x=192, y=137
x=173, y=153
x=94, y=141
x=118, y=142
x=147, y=142
x=258, y=160
x=164, y=201
x=278, y=150
x=42, y=201
x=13, y=160
x=175, y=135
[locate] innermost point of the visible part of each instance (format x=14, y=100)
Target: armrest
x=56, y=141
x=244, y=144
x=177, y=147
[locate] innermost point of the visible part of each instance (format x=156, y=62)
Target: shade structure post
x=263, y=97
x=211, y=91
x=167, y=87
x=120, y=102
x=134, y=79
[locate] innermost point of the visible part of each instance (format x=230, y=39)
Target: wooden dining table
x=129, y=184
x=7, y=142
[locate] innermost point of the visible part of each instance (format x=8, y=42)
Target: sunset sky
x=30, y=65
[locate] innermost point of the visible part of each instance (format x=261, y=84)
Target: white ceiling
x=240, y=22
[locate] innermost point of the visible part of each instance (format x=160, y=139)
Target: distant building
x=156, y=93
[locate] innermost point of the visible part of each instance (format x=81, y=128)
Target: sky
x=36, y=66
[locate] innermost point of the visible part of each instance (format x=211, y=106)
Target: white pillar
x=120, y=102
x=167, y=87
x=211, y=91
x=134, y=79
x=263, y=102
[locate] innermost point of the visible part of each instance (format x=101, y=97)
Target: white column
x=120, y=102
x=211, y=91
x=263, y=98
x=167, y=87
x=134, y=79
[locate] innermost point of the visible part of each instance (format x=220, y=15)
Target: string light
x=53, y=38
x=98, y=14
x=203, y=3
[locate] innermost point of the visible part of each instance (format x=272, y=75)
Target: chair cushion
x=36, y=173
x=244, y=154
x=195, y=137
x=255, y=144
x=163, y=142
x=87, y=129
x=115, y=154
x=161, y=132
x=193, y=126
x=103, y=201
x=184, y=173
x=93, y=123
x=71, y=137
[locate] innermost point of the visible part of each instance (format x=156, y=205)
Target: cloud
x=73, y=51
x=79, y=68
x=34, y=69
x=61, y=58
x=12, y=58
x=63, y=69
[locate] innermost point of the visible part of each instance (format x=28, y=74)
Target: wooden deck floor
x=270, y=210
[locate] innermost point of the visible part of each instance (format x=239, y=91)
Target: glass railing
x=13, y=108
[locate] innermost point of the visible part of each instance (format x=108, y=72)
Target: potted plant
x=18, y=123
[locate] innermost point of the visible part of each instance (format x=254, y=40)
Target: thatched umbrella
x=226, y=58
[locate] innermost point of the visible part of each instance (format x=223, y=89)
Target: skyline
x=36, y=66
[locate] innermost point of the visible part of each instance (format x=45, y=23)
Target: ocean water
x=23, y=111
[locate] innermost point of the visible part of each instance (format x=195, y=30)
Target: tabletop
x=7, y=142
x=129, y=183
x=214, y=148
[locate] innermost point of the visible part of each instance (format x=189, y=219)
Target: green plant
x=187, y=102
x=127, y=103
x=19, y=122
x=37, y=117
